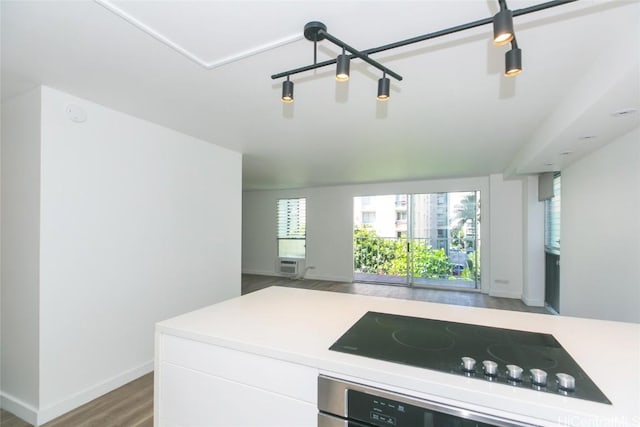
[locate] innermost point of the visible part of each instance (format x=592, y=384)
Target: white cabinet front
x=204, y=385
x=194, y=399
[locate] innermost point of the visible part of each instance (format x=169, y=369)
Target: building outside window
x=418, y=239
x=292, y=225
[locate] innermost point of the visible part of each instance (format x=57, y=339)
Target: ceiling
x=203, y=68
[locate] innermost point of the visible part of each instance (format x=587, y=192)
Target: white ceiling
x=184, y=65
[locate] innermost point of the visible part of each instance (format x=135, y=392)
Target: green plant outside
x=377, y=255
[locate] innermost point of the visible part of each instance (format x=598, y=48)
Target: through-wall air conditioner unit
x=289, y=266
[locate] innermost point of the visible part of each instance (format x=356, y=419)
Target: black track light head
x=502, y=25
x=287, y=91
x=383, y=89
x=513, y=60
x=342, y=67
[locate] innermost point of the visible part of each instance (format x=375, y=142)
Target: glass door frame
x=439, y=265
x=413, y=241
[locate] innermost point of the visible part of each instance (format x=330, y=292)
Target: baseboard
x=505, y=294
x=531, y=302
x=328, y=278
x=18, y=408
x=87, y=395
x=307, y=276
x=260, y=273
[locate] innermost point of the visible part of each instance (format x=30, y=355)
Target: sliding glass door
x=444, y=240
x=380, y=239
x=418, y=239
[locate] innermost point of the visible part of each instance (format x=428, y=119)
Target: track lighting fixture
x=316, y=31
x=383, y=88
x=502, y=25
x=513, y=60
x=342, y=67
x=287, y=91
x=503, y=34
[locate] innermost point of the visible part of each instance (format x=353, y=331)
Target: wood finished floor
x=132, y=404
x=251, y=283
x=128, y=406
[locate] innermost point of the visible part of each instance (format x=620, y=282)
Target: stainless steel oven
x=347, y=404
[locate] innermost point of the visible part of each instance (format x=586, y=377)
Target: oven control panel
x=377, y=411
x=345, y=403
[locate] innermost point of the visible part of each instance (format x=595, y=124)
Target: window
x=292, y=226
x=368, y=217
x=400, y=240
x=552, y=219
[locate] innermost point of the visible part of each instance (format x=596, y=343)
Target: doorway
x=429, y=239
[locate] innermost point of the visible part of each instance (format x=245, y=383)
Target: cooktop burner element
x=423, y=340
x=515, y=358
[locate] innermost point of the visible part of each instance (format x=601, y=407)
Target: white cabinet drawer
x=195, y=399
x=274, y=375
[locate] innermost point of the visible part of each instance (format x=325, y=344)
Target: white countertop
x=299, y=326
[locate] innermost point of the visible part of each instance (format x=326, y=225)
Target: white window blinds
x=552, y=219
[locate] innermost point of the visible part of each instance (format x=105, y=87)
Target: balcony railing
x=422, y=259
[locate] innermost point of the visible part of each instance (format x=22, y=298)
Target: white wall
x=20, y=248
x=329, y=221
x=505, y=216
x=329, y=231
x=533, y=244
x=600, y=233
x=330, y=224
x=600, y=261
x=138, y=223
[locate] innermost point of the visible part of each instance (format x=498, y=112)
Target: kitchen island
x=254, y=360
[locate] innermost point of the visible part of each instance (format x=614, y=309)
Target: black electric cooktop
x=490, y=354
